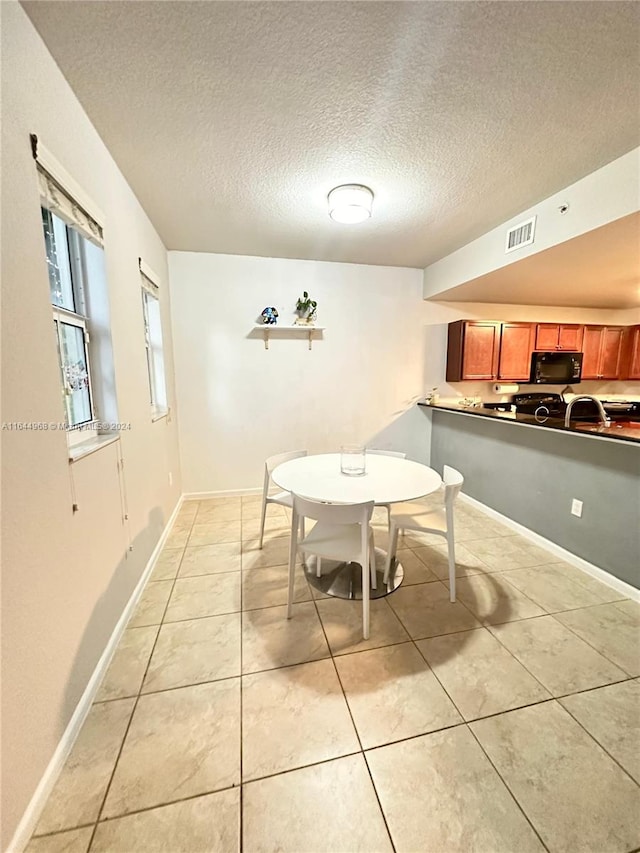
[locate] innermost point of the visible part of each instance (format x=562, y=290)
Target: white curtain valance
x=57, y=199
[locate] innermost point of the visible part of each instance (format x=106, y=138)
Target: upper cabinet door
x=516, y=345
x=547, y=336
x=481, y=349
x=570, y=337
x=602, y=347
x=472, y=350
x=591, y=344
x=611, y=353
x=563, y=336
x=633, y=367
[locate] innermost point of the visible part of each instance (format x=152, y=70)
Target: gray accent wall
x=531, y=474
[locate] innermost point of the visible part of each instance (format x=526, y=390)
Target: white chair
x=281, y=498
x=342, y=532
x=427, y=520
x=398, y=455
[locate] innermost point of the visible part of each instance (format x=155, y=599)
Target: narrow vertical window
x=153, y=342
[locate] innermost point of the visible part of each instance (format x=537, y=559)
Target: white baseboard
x=605, y=577
x=231, y=493
x=30, y=818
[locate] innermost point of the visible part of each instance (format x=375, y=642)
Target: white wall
x=607, y=194
x=240, y=403
x=66, y=577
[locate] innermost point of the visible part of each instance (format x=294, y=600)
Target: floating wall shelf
x=267, y=329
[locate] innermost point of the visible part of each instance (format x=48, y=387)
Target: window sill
x=86, y=448
x=159, y=414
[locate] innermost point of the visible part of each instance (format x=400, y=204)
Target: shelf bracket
x=310, y=337
x=266, y=337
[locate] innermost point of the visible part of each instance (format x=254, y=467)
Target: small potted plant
x=306, y=309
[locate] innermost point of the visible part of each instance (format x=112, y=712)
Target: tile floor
x=505, y=722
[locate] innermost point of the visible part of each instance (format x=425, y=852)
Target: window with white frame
x=77, y=285
x=153, y=341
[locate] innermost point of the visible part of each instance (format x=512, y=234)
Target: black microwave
x=555, y=368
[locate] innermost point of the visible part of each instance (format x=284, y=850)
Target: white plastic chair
x=342, y=532
x=427, y=520
x=281, y=498
x=398, y=455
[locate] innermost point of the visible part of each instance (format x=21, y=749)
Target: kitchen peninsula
x=531, y=472
x=626, y=430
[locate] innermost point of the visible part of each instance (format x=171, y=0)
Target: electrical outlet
x=171, y=481
x=576, y=507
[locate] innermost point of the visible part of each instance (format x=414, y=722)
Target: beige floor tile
x=479, y=674
x=493, y=599
x=215, y=533
x=292, y=717
x=602, y=590
x=217, y=513
x=206, y=595
x=180, y=743
x=277, y=526
x=562, y=662
x=574, y=794
x=254, y=510
x=152, y=603
x=209, y=824
x=182, y=523
x=393, y=694
x=128, y=665
x=612, y=716
x=436, y=558
x=327, y=808
x=178, y=537
x=269, y=587
x=210, y=559
x=166, y=567
x=270, y=640
x=342, y=622
x=196, y=651
x=631, y=609
x=188, y=510
x=415, y=571
x=425, y=611
x=440, y=794
x=611, y=629
x=73, y=841
x=214, y=503
x=502, y=553
x=77, y=795
x=466, y=529
x=274, y=553
x=551, y=588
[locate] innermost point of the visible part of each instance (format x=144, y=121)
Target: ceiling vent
x=521, y=235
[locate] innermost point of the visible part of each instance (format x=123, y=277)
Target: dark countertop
x=614, y=432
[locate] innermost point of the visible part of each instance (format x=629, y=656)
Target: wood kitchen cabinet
x=516, y=345
x=631, y=356
x=603, y=350
x=558, y=336
x=473, y=349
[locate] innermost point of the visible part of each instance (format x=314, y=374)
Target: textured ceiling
x=232, y=120
x=600, y=269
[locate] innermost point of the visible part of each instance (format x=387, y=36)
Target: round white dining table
x=387, y=480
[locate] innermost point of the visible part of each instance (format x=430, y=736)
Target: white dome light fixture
x=350, y=203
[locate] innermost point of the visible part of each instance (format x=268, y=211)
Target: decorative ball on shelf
x=269, y=316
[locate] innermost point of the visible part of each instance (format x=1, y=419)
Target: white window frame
x=154, y=352
x=86, y=430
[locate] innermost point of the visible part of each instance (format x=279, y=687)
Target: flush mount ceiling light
x=350, y=203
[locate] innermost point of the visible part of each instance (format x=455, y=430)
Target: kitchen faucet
x=604, y=420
